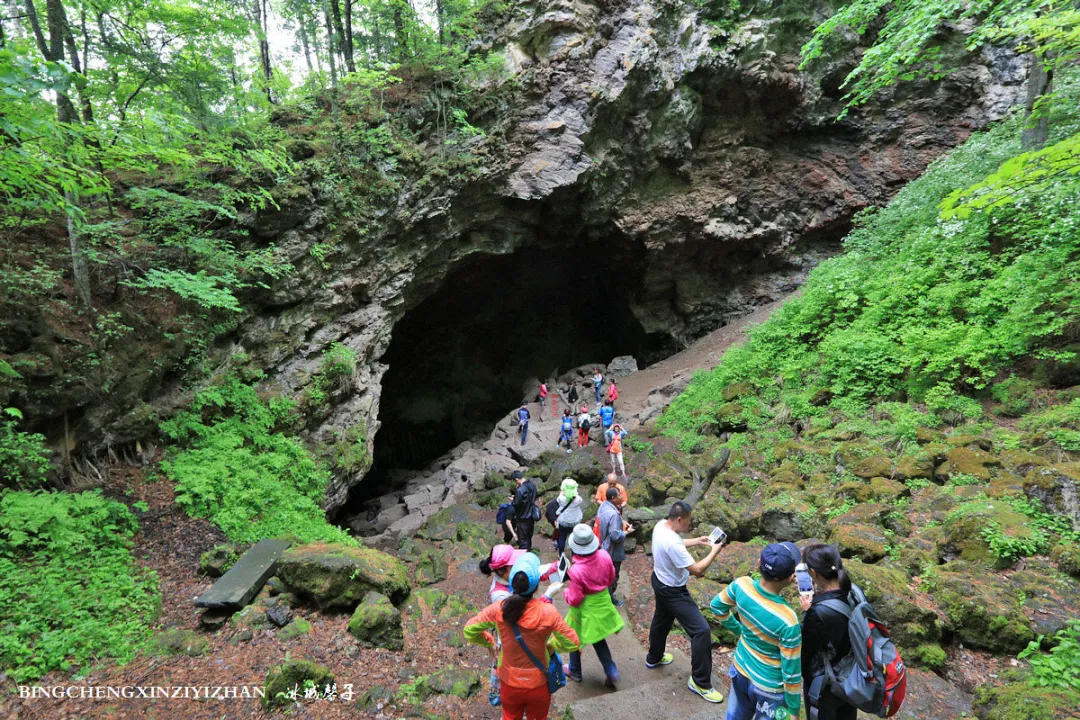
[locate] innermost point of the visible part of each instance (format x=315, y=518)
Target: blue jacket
x=523, y=416
x=612, y=536
x=607, y=415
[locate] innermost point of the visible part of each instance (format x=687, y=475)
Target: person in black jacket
x=824, y=630
x=525, y=510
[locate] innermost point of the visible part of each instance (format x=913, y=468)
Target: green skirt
x=595, y=618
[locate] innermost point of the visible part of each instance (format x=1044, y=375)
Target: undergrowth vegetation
x=237, y=463
x=926, y=305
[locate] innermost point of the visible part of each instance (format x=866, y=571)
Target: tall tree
x=347, y=46
x=261, y=23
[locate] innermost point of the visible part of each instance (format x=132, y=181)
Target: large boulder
x=1022, y=701
x=962, y=534
x=431, y=567
x=968, y=461
x=910, y=616
x=476, y=468
x=735, y=560
x=335, y=576
x=982, y=610
x=862, y=541
x=583, y=467
x=290, y=677
x=1056, y=487
x=376, y=623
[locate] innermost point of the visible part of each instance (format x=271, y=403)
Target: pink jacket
x=589, y=574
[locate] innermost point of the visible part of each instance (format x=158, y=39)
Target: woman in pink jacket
x=592, y=614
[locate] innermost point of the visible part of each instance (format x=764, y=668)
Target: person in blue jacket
x=523, y=421
x=607, y=415
x=598, y=382
x=566, y=432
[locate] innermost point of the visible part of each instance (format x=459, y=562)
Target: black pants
x=675, y=603
x=564, y=534
x=829, y=706
x=507, y=535
x=525, y=533
x=615, y=582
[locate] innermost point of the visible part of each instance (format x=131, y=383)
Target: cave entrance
x=458, y=361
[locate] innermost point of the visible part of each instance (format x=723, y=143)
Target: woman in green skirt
x=592, y=614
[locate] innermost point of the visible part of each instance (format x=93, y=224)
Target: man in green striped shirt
x=766, y=671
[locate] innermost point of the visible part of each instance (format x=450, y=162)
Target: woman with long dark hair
x=524, y=690
x=824, y=630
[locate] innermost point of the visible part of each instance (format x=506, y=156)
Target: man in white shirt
x=672, y=568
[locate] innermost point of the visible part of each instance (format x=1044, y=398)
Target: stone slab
x=242, y=582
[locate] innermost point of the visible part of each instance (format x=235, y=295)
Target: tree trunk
x=73, y=56
x=399, y=30
x=302, y=23
x=347, y=46
x=330, y=43
x=440, y=19
x=1037, y=124
x=264, y=47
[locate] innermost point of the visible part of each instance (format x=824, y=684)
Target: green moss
x=928, y=656
x=376, y=623
x=338, y=576
x=175, y=641
x=297, y=628
x=1021, y=701
x=293, y=675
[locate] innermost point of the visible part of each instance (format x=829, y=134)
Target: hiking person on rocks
x=497, y=565
x=614, y=448
x=824, y=630
x=612, y=392
x=613, y=531
x=566, y=431
x=607, y=415
x=592, y=614
x=602, y=492
x=766, y=669
x=672, y=567
x=571, y=395
x=584, y=424
x=543, y=399
x=523, y=422
x=598, y=383
x=504, y=518
x=568, y=513
x=526, y=513
x=524, y=623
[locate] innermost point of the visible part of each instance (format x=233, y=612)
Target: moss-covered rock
x=337, y=576
x=735, y=560
x=253, y=618
x=782, y=517
x=297, y=628
x=729, y=418
x=912, y=467
x=967, y=461
x=962, y=533
x=1021, y=701
x=886, y=489
x=873, y=466
x=291, y=677
x=703, y=591
x=175, y=641
x=377, y=623
x=216, y=561
x=925, y=435
x=927, y=655
x=1067, y=557
x=862, y=541
x=1021, y=462
x=583, y=467
x=736, y=390
x=1056, y=487
x=982, y=610
x=431, y=567
x=911, y=617
x=443, y=524
x=457, y=681
x=864, y=514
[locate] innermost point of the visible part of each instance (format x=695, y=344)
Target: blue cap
x=529, y=564
x=778, y=560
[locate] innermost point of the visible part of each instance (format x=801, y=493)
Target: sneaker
x=666, y=660
x=619, y=603
x=569, y=451
x=710, y=694
x=611, y=680
x=572, y=676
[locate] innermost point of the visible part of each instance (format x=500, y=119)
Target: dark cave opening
x=459, y=360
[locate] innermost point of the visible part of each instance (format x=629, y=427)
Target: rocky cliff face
x=703, y=164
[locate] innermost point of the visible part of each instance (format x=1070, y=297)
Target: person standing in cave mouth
x=523, y=421
x=598, y=383
x=612, y=393
x=584, y=424
x=543, y=399
x=526, y=513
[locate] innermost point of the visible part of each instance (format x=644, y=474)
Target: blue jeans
x=602, y=652
x=748, y=702
x=524, y=432
x=597, y=388
x=566, y=436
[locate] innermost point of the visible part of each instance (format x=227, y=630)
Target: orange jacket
x=601, y=494
x=539, y=622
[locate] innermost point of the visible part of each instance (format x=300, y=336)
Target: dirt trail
x=704, y=354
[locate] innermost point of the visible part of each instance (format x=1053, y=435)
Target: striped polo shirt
x=770, y=638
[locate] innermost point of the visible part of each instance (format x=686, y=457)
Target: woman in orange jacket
x=524, y=690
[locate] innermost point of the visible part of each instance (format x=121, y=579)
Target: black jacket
x=524, y=499
x=823, y=628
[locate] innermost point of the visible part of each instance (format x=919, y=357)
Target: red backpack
x=872, y=677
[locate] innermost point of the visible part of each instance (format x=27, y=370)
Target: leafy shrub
x=1059, y=668
x=24, y=460
x=70, y=590
x=237, y=466
x=339, y=361
x=1010, y=548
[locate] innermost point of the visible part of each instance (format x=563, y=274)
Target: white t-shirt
x=670, y=556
